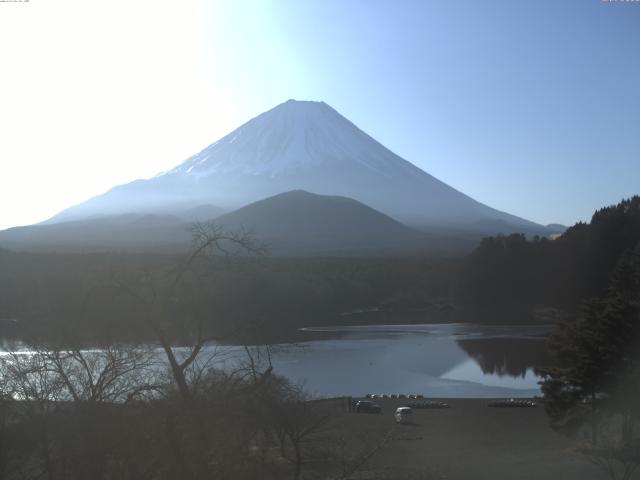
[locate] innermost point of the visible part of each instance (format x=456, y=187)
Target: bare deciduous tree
x=171, y=301
x=168, y=297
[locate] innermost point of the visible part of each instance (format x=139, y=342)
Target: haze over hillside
x=291, y=223
x=295, y=222
x=309, y=146
x=127, y=232
x=299, y=222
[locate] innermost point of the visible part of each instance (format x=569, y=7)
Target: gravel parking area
x=469, y=440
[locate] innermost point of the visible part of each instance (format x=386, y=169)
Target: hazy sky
x=529, y=106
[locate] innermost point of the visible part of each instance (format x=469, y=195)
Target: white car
x=403, y=414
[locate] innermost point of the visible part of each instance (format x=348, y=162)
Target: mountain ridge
x=289, y=224
x=309, y=146
x=300, y=222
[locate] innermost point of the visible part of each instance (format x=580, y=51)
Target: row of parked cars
x=393, y=395
x=512, y=403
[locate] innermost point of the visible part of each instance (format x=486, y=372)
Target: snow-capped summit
x=292, y=137
x=309, y=146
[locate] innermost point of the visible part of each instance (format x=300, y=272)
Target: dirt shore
x=469, y=440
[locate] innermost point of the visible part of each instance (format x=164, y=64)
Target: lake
x=436, y=360
x=451, y=360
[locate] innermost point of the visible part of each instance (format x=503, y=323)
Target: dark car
x=365, y=406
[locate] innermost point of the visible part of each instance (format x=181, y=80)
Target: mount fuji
x=301, y=145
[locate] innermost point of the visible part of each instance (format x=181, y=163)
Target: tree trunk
x=627, y=428
x=298, y=466
x=594, y=422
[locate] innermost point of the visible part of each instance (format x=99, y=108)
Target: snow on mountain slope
x=292, y=137
x=308, y=146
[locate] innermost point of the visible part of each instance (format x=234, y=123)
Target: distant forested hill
x=49, y=294
x=511, y=270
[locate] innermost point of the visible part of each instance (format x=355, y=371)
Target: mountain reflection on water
x=506, y=356
x=437, y=360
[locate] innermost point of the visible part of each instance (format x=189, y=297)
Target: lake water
x=437, y=360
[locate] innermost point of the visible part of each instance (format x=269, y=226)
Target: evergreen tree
x=597, y=382
x=510, y=269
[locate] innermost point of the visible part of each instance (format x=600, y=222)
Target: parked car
x=403, y=414
x=366, y=406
